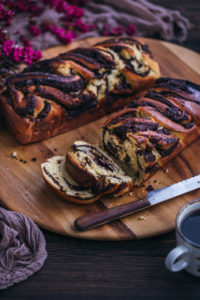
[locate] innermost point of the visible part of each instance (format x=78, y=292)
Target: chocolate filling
x=98, y=157
x=74, y=187
x=45, y=110
x=167, y=152
x=130, y=68
x=133, y=127
x=177, y=84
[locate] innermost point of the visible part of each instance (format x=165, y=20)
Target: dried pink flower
x=17, y=54
x=6, y=15
x=37, y=54
x=64, y=35
x=119, y=30
x=29, y=55
x=24, y=41
x=131, y=29
x=74, y=12
x=83, y=27
x=35, y=30
x=106, y=30
x=7, y=47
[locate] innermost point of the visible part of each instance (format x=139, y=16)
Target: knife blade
x=154, y=197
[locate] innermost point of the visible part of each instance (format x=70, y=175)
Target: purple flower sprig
x=65, y=35
x=6, y=16
x=25, y=54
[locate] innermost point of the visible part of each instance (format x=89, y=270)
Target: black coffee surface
x=190, y=227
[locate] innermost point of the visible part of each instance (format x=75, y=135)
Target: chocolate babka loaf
x=85, y=174
x=152, y=129
x=60, y=94
x=91, y=167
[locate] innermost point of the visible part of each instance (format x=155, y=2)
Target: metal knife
x=154, y=197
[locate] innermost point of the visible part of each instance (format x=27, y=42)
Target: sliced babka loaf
x=77, y=87
x=139, y=144
x=91, y=167
x=55, y=174
x=154, y=128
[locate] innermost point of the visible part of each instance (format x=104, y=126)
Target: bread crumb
x=166, y=170
x=141, y=218
x=14, y=154
x=131, y=193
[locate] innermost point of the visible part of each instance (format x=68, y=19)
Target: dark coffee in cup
x=190, y=227
x=186, y=254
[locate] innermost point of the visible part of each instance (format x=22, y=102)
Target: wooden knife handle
x=110, y=214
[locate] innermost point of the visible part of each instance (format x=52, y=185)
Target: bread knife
x=154, y=197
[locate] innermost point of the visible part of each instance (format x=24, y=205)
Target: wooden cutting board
x=23, y=189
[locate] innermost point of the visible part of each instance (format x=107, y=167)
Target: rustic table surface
x=84, y=269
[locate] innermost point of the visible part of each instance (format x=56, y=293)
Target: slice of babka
x=94, y=169
x=55, y=174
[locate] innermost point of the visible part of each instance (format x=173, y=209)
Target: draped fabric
x=22, y=248
x=149, y=18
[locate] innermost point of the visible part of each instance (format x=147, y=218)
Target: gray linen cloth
x=149, y=18
x=22, y=248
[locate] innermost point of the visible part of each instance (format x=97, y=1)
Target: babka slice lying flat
x=75, y=88
x=152, y=129
x=85, y=174
x=55, y=174
x=91, y=167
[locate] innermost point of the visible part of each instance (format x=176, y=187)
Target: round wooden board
x=23, y=189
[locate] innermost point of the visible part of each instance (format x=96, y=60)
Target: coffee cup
x=187, y=253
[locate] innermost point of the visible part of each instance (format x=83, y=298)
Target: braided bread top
x=82, y=78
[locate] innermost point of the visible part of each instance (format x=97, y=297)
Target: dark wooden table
x=82, y=269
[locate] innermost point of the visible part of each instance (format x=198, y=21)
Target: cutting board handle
x=110, y=214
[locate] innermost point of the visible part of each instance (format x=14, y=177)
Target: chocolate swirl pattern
x=85, y=174
x=140, y=139
x=91, y=167
x=57, y=95
x=56, y=175
x=139, y=144
x=152, y=129
x=184, y=93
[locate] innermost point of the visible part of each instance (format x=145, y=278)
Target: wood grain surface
x=22, y=187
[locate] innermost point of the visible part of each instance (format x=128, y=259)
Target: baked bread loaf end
x=154, y=128
x=139, y=144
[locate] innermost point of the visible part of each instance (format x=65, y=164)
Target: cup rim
x=178, y=228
